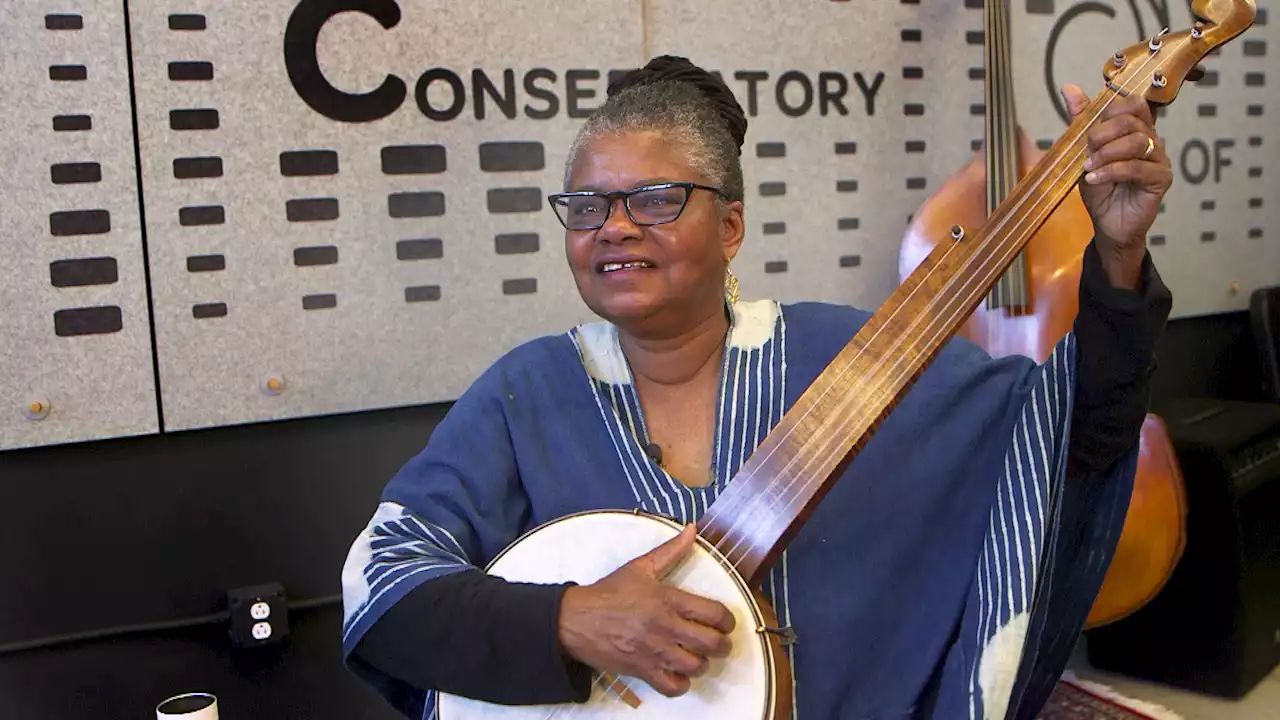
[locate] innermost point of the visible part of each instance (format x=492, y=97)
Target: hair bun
x=671, y=68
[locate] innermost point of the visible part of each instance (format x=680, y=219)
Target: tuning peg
x=1195, y=73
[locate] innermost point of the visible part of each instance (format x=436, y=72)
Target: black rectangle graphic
x=311, y=209
x=1255, y=171
x=1255, y=233
x=977, y=73
x=515, y=243
x=775, y=266
x=88, y=321
x=911, y=35
x=321, y=301
x=846, y=148
x=204, y=311
x=1254, y=79
x=65, y=73
x=775, y=228
x=1208, y=236
x=916, y=183
x=848, y=261
x=195, y=215
x=1207, y=110
x=72, y=123
x=912, y=73
x=846, y=186
x=974, y=37
x=514, y=200
x=419, y=249
x=315, y=255
x=422, y=293
x=977, y=109
x=1255, y=48
x=520, y=286
x=83, y=271
x=79, y=222
x=415, y=204
x=194, y=119
x=186, y=21
x=68, y=173
x=63, y=21
x=1253, y=111
x=302, y=163
x=915, y=146
x=1210, y=79
x=913, y=109
x=771, y=149
x=773, y=189
x=1255, y=203
x=206, y=263
x=848, y=223
x=512, y=156
x=197, y=167
x=188, y=70
x=413, y=159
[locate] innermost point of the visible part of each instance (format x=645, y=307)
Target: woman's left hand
x=1126, y=176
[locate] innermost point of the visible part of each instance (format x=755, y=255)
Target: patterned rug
x=1076, y=699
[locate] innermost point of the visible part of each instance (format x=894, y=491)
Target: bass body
x=752, y=683
x=1035, y=304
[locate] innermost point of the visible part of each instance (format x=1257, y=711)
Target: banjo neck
x=792, y=470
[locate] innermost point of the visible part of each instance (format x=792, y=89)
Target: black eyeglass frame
x=626, y=195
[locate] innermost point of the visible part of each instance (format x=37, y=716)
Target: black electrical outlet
x=259, y=615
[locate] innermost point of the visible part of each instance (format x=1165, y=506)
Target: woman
x=913, y=590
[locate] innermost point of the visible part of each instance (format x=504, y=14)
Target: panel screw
x=36, y=410
x=273, y=385
x=957, y=232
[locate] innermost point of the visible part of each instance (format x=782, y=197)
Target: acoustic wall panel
x=347, y=211
x=345, y=201
x=75, y=347
x=1217, y=238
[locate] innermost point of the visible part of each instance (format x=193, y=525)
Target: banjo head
x=585, y=547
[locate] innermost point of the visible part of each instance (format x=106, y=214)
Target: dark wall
x=157, y=528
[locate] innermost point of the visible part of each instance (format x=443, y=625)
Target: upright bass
x=781, y=484
x=1034, y=304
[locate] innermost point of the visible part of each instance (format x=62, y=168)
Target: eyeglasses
x=649, y=205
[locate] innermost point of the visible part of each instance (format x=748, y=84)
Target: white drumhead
x=584, y=548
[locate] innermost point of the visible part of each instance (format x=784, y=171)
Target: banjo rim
x=769, y=710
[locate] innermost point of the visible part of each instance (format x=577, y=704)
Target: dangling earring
x=730, y=285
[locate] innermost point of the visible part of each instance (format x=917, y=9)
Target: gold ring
x=1151, y=146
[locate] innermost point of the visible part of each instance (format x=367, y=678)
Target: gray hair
x=680, y=112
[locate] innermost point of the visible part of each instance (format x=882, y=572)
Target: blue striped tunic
x=947, y=574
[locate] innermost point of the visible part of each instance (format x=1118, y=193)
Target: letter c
x=300, y=38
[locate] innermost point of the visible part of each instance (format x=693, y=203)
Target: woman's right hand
x=630, y=623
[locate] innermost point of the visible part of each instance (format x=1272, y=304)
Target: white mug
x=189, y=706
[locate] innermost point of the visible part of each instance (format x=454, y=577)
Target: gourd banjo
x=781, y=484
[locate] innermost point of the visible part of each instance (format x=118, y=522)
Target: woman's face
x=683, y=277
